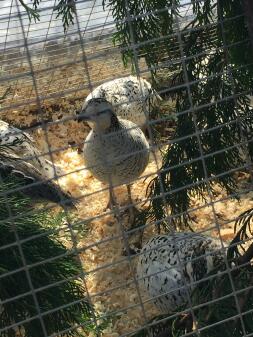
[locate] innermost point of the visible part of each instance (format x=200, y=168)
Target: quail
x=20, y=159
x=116, y=150
x=24, y=145
x=133, y=98
x=169, y=264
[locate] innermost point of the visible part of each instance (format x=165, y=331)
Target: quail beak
x=82, y=117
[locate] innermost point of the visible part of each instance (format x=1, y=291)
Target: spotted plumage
x=116, y=150
x=20, y=159
x=130, y=97
x=24, y=146
x=170, y=262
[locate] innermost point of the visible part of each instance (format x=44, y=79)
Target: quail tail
x=33, y=183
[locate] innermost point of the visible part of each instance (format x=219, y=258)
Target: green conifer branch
x=66, y=9
x=212, y=70
x=62, y=294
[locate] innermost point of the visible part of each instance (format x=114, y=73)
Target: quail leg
x=133, y=211
x=134, y=238
x=112, y=203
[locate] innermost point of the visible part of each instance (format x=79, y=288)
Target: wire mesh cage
x=148, y=105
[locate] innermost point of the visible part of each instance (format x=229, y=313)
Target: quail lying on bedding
x=130, y=96
x=24, y=145
x=21, y=159
x=116, y=150
x=169, y=263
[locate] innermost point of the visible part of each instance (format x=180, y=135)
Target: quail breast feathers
x=115, y=150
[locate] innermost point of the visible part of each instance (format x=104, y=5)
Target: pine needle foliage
x=229, y=289
x=142, y=23
x=213, y=112
x=226, y=309
x=65, y=9
x=243, y=227
x=32, y=11
x=62, y=298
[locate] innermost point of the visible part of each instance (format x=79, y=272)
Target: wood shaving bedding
x=104, y=261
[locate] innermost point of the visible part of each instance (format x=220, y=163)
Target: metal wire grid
x=85, y=59
x=98, y=53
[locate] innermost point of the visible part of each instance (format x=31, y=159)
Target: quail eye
x=104, y=111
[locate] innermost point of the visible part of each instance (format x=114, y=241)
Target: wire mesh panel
x=125, y=167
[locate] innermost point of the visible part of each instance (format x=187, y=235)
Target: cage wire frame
x=85, y=60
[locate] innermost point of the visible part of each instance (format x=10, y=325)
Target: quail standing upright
x=116, y=150
x=133, y=98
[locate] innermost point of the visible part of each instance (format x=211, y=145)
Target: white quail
x=116, y=150
x=170, y=262
x=25, y=147
x=22, y=160
x=130, y=97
